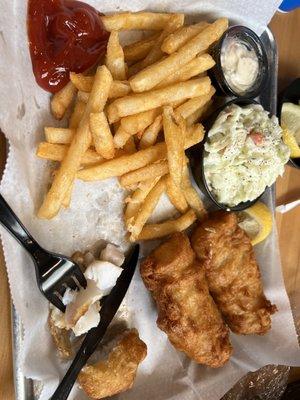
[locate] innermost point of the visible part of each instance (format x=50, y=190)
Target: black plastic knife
x=108, y=310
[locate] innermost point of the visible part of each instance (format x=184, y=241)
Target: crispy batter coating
x=233, y=276
x=61, y=338
x=186, y=311
x=117, y=374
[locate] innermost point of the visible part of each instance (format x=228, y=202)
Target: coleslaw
x=244, y=153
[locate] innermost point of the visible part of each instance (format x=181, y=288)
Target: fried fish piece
x=117, y=373
x=186, y=311
x=60, y=336
x=232, y=273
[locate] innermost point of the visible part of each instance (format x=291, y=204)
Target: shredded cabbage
x=244, y=154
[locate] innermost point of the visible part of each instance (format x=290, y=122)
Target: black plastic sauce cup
x=247, y=37
x=196, y=157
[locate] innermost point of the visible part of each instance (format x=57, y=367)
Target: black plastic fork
x=54, y=272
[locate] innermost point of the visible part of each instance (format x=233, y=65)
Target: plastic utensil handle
x=65, y=386
x=86, y=350
x=88, y=346
x=12, y=223
x=94, y=336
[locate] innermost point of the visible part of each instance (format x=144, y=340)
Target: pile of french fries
x=134, y=118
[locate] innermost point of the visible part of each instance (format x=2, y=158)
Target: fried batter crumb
x=117, y=373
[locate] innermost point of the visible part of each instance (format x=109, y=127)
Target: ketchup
x=64, y=36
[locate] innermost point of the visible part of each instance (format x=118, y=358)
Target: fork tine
x=72, y=283
x=60, y=290
x=57, y=302
x=80, y=278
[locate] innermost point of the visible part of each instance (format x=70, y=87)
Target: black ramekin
x=196, y=158
x=245, y=35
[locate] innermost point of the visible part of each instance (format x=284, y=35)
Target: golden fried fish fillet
x=233, y=276
x=186, y=311
x=117, y=374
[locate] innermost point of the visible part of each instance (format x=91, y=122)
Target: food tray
x=27, y=389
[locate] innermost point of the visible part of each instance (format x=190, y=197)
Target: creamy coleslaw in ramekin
x=244, y=153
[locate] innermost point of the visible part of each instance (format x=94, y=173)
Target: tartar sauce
x=240, y=65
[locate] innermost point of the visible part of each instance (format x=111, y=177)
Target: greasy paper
x=95, y=217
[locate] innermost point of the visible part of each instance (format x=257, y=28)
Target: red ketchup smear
x=64, y=36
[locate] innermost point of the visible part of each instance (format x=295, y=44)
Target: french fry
x=103, y=139
x=77, y=114
x=134, y=202
x=198, y=114
x=115, y=57
x=52, y=152
x=139, y=20
x=156, y=169
x=182, y=35
x=57, y=152
x=82, y=82
x=84, y=85
x=146, y=209
x=121, y=137
x=191, y=195
x=176, y=104
x=112, y=113
x=150, y=134
x=138, y=122
x=195, y=134
x=156, y=73
x=62, y=100
x=83, y=96
x=119, y=89
x=124, y=164
x=200, y=64
x=130, y=162
x=189, y=107
x=137, y=103
x=138, y=50
x=155, y=231
x=79, y=145
x=59, y=135
x=176, y=196
x=130, y=146
x=155, y=53
x=132, y=188
x=68, y=197
x=174, y=138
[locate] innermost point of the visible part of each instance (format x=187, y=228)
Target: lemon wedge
x=256, y=221
x=289, y=139
x=290, y=123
